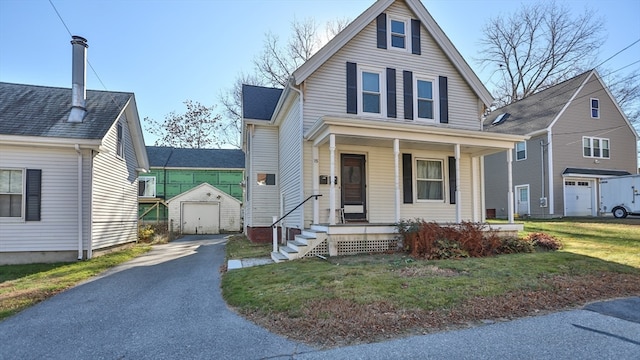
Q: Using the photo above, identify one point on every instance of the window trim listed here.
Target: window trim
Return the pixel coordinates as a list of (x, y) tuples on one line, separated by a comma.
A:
[(390, 33), (155, 189), (524, 150), (382, 90), (267, 177), (435, 94), (442, 181), (601, 147), (596, 108), (23, 195)]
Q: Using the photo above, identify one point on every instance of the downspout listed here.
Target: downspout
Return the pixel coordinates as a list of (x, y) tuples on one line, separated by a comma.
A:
[(301, 105), (90, 209), (550, 201), (79, 201)]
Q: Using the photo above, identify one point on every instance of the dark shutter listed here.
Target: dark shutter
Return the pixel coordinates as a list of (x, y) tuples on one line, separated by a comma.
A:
[(381, 27), (391, 93), (444, 100), (407, 77), (452, 180), (415, 37), (352, 88), (34, 186), (407, 179)]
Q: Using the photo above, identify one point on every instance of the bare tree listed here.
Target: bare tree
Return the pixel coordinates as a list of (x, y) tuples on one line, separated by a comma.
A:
[(626, 90), (274, 65), (538, 46), (197, 128)]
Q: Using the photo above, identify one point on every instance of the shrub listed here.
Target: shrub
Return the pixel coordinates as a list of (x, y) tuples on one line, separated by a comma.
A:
[(513, 245), (153, 233), (544, 241), (145, 233)]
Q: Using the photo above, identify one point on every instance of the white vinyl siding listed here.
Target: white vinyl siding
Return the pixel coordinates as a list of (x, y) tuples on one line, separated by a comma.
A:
[(264, 159), (114, 211), (291, 166), (325, 90), (59, 201)]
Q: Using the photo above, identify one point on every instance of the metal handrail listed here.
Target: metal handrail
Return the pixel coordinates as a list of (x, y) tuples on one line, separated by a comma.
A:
[(294, 209)]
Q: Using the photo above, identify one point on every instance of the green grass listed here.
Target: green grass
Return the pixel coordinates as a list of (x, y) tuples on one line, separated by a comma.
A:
[(590, 248), (239, 247), (22, 286)]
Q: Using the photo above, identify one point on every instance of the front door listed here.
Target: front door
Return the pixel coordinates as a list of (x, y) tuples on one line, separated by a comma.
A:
[(522, 200), (353, 186)]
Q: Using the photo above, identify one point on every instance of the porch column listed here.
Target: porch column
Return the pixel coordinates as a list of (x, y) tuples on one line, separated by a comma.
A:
[(396, 154), (316, 184), (458, 199), (510, 184), (332, 174)]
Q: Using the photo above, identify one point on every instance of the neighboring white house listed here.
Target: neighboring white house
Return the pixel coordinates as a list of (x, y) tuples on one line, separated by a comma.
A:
[(578, 136), (69, 164), (204, 210), (385, 122)]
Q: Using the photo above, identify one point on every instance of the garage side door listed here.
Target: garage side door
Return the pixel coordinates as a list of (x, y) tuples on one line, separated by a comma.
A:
[(578, 198), (200, 218)]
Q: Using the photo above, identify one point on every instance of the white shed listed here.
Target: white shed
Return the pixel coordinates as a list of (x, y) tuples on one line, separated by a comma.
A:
[(204, 210)]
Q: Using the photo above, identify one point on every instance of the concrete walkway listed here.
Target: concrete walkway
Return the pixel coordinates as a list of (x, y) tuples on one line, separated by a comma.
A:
[(167, 304)]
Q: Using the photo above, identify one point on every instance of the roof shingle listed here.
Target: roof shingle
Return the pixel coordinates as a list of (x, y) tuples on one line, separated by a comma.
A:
[(162, 156), (259, 102)]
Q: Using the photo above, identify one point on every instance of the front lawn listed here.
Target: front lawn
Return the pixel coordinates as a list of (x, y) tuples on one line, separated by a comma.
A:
[(355, 299)]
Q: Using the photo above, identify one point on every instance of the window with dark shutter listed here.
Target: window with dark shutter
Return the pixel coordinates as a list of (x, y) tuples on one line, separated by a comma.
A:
[(415, 37), (407, 179), (452, 180), (391, 93), (381, 30), (33, 190), (407, 78), (352, 88), (444, 100)]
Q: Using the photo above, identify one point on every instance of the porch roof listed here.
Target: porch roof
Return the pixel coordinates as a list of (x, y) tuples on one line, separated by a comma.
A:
[(421, 136)]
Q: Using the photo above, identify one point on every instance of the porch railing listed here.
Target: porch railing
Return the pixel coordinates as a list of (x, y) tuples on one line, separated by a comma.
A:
[(275, 222)]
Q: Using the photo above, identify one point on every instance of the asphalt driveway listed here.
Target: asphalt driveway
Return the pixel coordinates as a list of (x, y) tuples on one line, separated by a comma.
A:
[(167, 304)]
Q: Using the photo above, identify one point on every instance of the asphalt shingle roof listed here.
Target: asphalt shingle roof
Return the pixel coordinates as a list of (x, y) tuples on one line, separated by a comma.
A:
[(259, 102), (535, 112), (162, 156), (595, 172), (31, 110)]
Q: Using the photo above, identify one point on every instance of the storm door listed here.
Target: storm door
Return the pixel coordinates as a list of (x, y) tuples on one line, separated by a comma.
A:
[(353, 186)]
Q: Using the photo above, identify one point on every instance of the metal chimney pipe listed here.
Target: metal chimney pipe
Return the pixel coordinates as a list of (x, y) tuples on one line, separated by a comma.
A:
[(79, 76)]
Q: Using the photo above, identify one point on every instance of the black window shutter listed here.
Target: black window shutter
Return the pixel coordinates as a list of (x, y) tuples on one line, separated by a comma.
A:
[(452, 180), (352, 88), (407, 77), (407, 179), (444, 100), (415, 37), (34, 186), (381, 27), (391, 93)]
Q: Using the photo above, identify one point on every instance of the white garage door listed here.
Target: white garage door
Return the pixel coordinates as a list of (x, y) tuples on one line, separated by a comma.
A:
[(578, 198), (200, 218)]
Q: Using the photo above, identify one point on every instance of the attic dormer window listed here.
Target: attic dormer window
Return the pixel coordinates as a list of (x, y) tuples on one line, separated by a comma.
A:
[(398, 34)]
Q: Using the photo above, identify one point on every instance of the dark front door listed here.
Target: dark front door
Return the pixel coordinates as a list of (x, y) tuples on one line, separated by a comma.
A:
[(353, 186)]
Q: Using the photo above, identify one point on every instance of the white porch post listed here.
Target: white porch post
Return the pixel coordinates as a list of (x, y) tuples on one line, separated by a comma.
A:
[(316, 184), (396, 154), (332, 174), (457, 194), (510, 184)]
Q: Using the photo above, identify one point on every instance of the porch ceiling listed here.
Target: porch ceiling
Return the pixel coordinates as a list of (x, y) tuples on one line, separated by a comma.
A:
[(380, 133)]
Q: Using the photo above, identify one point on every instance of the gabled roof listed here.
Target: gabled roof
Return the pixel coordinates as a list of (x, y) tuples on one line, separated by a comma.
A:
[(168, 157), (31, 110), (259, 102), (538, 111), (369, 15)]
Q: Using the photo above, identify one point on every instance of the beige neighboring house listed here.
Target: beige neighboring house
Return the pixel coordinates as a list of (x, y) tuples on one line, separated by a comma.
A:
[(384, 122), (578, 136), (69, 165)]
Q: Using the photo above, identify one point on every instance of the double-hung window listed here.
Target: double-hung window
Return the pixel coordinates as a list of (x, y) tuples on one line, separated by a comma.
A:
[(595, 147), (595, 108), (521, 151), (147, 186), (11, 193), (424, 100), (429, 179), (371, 94), (398, 34), (120, 143)]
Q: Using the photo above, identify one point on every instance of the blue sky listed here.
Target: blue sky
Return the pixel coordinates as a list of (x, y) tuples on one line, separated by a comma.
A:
[(167, 51)]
